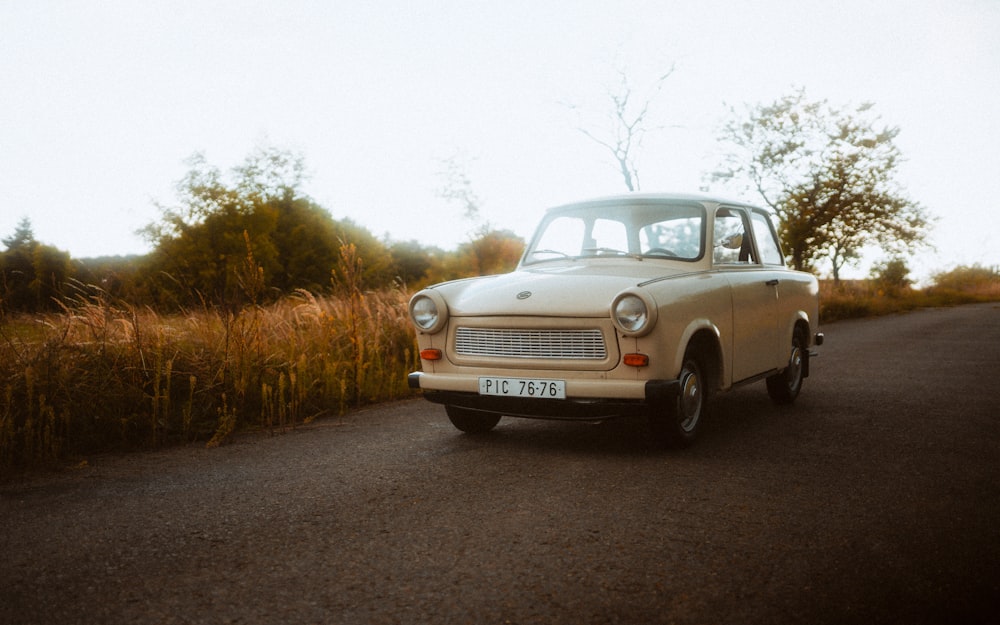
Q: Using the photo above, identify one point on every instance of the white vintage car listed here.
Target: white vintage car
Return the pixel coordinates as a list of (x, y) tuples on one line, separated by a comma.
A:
[(635, 304)]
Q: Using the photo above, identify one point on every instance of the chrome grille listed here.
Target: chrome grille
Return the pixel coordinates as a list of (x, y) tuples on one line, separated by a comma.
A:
[(508, 343)]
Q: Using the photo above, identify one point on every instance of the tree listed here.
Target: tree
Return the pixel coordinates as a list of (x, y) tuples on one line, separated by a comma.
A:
[(52, 268), (32, 274), (17, 267), (456, 186), (305, 237), (892, 276), (489, 249), (493, 251), (115, 275), (411, 261), (627, 118), (257, 213), (829, 175), (377, 268), (23, 237), (201, 244)]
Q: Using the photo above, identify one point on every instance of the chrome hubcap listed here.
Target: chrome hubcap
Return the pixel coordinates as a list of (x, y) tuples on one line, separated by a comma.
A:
[(690, 401), (794, 374)]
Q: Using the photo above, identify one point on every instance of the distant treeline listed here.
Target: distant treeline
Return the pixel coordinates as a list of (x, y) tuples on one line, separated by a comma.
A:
[(253, 237), (230, 268)]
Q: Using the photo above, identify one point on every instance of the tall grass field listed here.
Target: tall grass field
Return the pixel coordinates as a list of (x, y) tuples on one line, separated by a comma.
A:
[(104, 375)]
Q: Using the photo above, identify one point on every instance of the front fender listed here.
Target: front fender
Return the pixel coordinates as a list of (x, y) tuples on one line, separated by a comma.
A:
[(699, 326)]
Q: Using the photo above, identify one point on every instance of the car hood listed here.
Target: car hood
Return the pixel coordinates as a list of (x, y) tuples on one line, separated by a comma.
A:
[(571, 289)]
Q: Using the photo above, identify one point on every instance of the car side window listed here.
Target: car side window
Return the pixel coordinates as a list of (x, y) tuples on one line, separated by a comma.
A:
[(731, 244), (767, 242)]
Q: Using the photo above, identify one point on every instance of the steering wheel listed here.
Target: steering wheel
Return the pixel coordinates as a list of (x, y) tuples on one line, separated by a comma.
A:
[(659, 251)]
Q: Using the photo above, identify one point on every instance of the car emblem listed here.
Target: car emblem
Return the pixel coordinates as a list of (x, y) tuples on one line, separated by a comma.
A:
[(524, 295)]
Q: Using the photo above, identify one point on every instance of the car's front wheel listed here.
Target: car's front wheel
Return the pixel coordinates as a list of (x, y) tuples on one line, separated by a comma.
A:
[(784, 387), (472, 421), (677, 422)]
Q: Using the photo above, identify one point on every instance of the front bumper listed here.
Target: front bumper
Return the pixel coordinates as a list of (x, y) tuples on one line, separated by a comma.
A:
[(651, 393)]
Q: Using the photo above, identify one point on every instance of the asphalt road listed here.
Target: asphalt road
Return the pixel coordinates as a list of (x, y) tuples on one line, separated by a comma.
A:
[(874, 499)]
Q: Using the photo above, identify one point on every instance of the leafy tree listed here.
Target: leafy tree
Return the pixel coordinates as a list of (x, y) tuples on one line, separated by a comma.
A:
[(892, 276), (377, 269), (493, 251), (829, 175), (411, 261), (256, 214), (52, 267), (201, 244), (305, 238)]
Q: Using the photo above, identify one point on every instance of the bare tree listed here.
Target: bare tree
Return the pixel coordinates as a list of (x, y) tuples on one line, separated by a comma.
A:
[(489, 250), (456, 186), (628, 116)]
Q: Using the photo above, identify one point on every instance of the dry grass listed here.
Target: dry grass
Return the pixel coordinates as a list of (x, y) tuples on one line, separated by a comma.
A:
[(867, 298), (106, 376)]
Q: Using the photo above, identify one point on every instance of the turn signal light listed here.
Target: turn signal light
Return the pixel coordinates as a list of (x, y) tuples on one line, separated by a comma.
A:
[(430, 354), (636, 360)]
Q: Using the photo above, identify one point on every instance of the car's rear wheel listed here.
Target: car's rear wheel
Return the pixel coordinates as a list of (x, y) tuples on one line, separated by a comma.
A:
[(784, 387), (472, 421), (677, 422)]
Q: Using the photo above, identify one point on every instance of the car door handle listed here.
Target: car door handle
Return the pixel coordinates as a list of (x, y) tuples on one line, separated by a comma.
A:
[(771, 283)]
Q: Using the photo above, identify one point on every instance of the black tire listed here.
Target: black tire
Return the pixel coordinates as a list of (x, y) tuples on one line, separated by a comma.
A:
[(784, 387), (472, 421), (676, 423)]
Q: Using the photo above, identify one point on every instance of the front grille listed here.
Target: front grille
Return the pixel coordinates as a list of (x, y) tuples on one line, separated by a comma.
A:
[(506, 343)]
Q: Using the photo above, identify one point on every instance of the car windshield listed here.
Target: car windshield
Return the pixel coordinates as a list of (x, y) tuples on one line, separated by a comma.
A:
[(642, 230)]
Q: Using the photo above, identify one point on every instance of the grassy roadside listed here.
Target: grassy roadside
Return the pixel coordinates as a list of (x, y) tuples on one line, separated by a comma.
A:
[(867, 298), (106, 376)]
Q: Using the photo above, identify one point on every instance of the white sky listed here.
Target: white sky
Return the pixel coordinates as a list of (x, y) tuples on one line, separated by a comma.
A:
[(101, 102)]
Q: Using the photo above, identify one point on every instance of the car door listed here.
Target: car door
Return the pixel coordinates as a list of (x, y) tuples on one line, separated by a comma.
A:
[(754, 288), (773, 261)]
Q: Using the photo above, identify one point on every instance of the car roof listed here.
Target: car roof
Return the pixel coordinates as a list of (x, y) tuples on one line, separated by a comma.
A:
[(655, 198)]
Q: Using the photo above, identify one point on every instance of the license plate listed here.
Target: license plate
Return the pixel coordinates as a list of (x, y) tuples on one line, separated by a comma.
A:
[(523, 387)]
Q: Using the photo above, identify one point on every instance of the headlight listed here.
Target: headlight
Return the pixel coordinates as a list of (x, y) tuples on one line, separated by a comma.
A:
[(424, 312), (428, 311), (633, 314)]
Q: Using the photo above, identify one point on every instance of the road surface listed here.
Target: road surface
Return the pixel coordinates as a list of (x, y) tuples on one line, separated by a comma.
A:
[(875, 498)]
